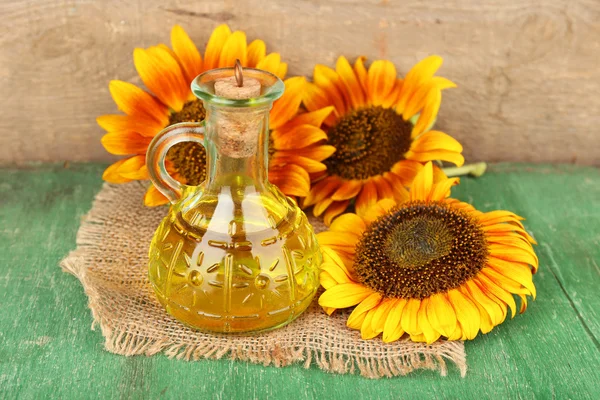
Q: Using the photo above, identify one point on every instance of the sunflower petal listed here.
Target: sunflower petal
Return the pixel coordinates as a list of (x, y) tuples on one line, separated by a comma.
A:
[(187, 52), (348, 190), (344, 295), (466, 313), (271, 63), (331, 84), (350, 81), (367, 197), (392, 330), (435, 140), (441, 314), (409, 320), (423, 183), (134, 101), (361, 72), (348, 222), (292, 180), (162, 74), (335, 209), (321, 190), (430, 333), (287, 106), (134, 168), (257, 50), (366, 330), (356, 318), (444, 155), (111, 174), (429, 113), (479, 297), (487, 285), (381, 79), (215, 44), (125, 143), (154, 198)]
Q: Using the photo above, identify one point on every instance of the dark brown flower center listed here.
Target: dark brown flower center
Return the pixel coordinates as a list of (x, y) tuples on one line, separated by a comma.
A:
[(420, 249), (188, 158), (368, 142)]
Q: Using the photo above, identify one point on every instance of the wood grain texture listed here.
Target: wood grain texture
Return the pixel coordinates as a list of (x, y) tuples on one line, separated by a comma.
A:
[(47, 349), (526, 70)]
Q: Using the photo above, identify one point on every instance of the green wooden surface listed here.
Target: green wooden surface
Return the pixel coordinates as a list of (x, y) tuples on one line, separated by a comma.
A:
[(48, 350)]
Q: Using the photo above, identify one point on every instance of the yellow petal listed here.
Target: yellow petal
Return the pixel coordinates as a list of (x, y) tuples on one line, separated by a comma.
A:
[(392, 329), (361, 72), (256, 52), (366, 330), (329, 238), (384, 189), (348, 222), (315, 98), (356, 318), (326, 280), (443, 155), (491, 288), (271, 63), (466, 313), (435, 140), (112, 175), (441, 190), (423, 183), (186, 52), (380, 315), (344, 295), (162, 74), (337, 272), (431, 334), (518, 272), (429, 113), (486, 323), (479, 297), (235, 48), (441, 314), (409, 320), (287, 106), (331, 84), (140, 124), (134, 168), (314, 118), (215, 44)]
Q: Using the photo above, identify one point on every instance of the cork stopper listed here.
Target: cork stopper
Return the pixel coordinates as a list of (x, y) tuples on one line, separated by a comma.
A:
[(238, 131)]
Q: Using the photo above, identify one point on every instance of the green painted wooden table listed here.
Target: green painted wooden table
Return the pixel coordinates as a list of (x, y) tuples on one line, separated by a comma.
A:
[(47, 349)]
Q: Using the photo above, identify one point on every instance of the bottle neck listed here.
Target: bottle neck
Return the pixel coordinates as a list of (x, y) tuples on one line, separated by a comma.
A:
[(237, 147)]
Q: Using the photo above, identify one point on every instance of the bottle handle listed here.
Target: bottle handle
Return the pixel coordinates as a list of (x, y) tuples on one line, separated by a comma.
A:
[(157, 152)]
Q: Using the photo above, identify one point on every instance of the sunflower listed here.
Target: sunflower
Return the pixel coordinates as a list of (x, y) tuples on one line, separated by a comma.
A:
[(296, 143), (380, 129), (430, 266)]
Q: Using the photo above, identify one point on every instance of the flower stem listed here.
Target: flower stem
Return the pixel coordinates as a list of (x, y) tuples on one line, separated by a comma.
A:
[(475, 169)]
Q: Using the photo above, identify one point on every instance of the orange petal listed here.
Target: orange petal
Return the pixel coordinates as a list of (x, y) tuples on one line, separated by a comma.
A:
[(401, 195), (112, 175), (377, 210), (384, 189), (187, 53), (154, 198), (125, 143), (315, 98), (331, 83), (350, 81), (429, 114), (136, 102), (299, 137), (335, 209), (381, 79), (139, 124), (234, 48), (348, 190), (441, 190), (321, 190), (418, 75), (279, 160), (361, 72), (256, 52), (406, 171), (162, 74), (292, 180), (287, 106), (215, 44), (367, 197), (314, 118)]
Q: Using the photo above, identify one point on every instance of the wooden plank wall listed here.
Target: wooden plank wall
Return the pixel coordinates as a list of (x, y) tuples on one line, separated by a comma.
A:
[(527, 70)]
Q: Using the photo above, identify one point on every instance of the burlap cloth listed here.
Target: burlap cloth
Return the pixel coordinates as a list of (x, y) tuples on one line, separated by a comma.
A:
[(111, 263)]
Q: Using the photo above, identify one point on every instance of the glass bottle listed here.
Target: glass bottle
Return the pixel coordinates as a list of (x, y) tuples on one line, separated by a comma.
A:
[(234, 254)]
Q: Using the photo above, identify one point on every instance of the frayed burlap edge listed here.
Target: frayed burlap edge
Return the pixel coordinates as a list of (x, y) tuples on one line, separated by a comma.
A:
[(372, 359)]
